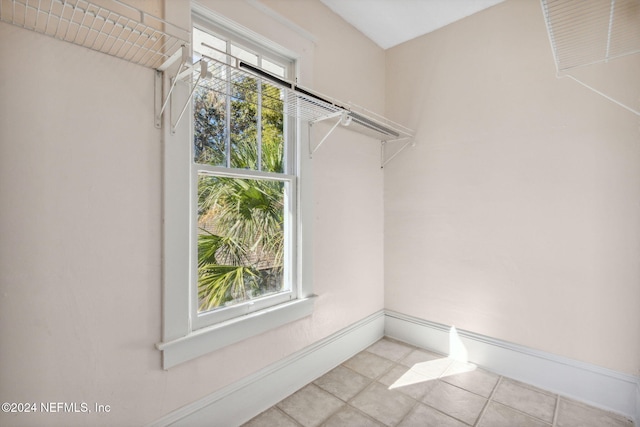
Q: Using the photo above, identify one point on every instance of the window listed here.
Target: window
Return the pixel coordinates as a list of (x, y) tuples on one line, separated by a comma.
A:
[(234, 264), (243, 151)]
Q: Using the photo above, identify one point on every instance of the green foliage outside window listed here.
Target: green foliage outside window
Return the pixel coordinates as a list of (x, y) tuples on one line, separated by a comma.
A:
[(240, 220)]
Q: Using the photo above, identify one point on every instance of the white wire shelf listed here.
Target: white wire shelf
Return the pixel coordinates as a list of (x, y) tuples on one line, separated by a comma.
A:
[(586, 32), (107, 26), (236, 79), (230, 78)]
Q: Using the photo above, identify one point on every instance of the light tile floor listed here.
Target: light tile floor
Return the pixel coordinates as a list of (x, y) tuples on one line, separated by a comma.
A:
[(395, 384)]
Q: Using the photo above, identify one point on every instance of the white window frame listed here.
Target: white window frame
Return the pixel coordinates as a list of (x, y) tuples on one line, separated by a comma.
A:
[(288, 176), (185, 336)]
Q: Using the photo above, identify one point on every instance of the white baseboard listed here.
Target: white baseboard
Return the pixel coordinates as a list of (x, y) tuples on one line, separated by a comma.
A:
[(637, 418), (597, 386), (241, 401), (237, 403)]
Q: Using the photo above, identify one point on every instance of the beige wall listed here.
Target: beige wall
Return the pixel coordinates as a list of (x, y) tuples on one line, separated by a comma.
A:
[(80, 224), (517, 214)]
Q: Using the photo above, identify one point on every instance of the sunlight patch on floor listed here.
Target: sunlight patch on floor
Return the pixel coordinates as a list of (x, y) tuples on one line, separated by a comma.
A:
[(432, 370), (455, 364)]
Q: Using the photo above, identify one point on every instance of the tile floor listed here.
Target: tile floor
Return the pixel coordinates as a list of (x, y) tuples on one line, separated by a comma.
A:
[(395, 384)]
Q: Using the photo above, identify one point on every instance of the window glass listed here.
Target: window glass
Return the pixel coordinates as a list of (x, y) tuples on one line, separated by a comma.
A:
[(210, 126), (209, 45), (272, 137), (241, 240), (244, 101), (275, 69), (244, 55)]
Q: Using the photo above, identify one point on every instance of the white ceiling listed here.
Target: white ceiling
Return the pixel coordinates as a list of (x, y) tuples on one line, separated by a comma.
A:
[(391, 22)]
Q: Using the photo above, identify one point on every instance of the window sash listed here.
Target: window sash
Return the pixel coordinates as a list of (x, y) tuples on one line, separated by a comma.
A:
[(291, 292), (271, 60)]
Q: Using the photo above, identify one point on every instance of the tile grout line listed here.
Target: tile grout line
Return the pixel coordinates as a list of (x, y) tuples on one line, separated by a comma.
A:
[(364, 414), (347, 403), (533, 388), (286, 415), (371, 381), (420, 401), (489, 400), (526, 414), (439, 379), (417, 401), (395, 363), (415, 404), (443, 412)]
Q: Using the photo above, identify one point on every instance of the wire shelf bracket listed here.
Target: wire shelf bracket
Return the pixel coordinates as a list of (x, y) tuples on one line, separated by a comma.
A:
[(384, 159), (160, 102), (343, 119), (183, 69)]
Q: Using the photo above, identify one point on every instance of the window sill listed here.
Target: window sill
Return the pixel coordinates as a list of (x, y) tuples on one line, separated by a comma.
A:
[(206, 340)]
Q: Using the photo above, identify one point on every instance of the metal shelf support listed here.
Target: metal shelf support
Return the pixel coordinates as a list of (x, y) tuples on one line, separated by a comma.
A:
[(409, 142), (203, 74), (183, 55), (343, 119)]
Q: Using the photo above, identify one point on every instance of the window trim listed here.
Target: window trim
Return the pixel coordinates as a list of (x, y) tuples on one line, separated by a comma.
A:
[(215, 337), (180, 340)]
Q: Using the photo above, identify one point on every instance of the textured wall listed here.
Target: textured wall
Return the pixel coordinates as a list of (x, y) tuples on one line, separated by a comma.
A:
[(80, 226), (517, 214)]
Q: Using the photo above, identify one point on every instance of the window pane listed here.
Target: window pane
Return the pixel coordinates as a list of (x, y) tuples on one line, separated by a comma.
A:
[(244, 55), (244, 125), (200, 37), (209, 132), (240, 240), (272, 128), (275, 69)]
